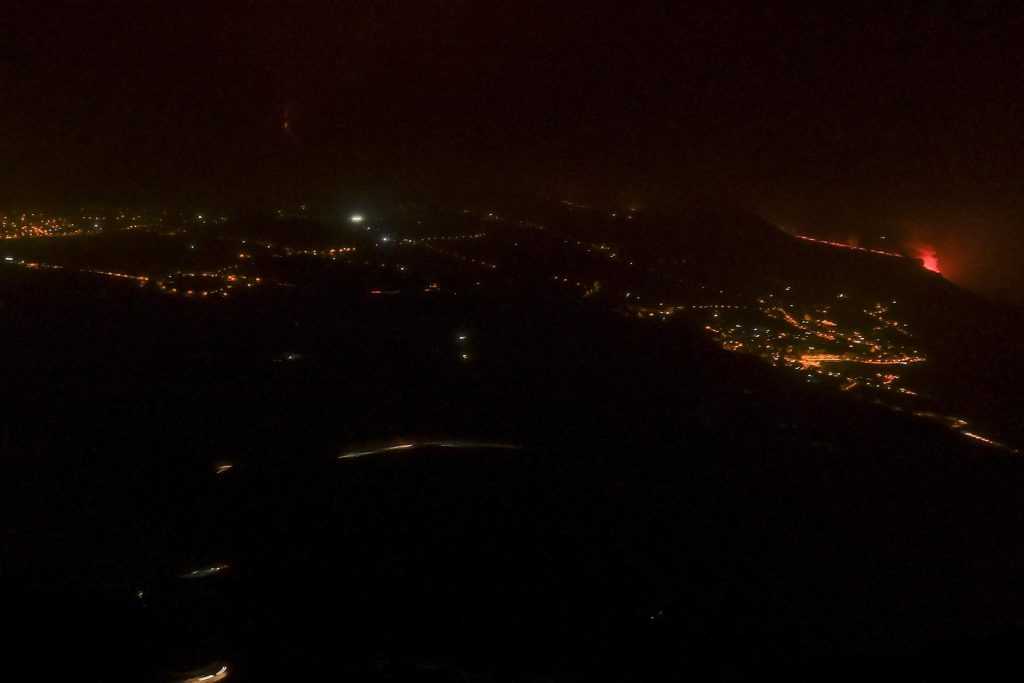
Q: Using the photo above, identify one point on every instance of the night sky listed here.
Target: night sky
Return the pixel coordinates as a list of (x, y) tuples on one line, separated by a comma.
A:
[(848, 121)]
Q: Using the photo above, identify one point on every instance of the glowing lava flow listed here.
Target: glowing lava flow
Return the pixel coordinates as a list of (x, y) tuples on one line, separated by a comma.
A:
[(927, 254), (844, 245), (929, 258)]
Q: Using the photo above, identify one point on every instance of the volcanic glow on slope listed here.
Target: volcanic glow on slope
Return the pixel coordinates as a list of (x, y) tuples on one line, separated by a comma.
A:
[(844, 245), (929, 258), (927, 254)]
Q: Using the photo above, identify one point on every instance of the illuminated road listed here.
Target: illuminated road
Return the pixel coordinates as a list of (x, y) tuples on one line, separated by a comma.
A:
[(219, 675), (350, 455)]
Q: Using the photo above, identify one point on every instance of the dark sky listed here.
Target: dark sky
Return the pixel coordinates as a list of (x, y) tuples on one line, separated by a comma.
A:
[(844, 120)]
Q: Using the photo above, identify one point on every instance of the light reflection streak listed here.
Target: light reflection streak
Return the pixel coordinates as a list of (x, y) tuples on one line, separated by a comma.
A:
[(428, 444)]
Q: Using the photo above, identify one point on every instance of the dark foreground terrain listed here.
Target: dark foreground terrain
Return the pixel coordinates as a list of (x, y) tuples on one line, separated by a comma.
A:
[(409, 465)]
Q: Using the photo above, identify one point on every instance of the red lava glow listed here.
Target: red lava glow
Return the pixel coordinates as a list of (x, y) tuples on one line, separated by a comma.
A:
[(844, 245), (929, 258), (927, 254)]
